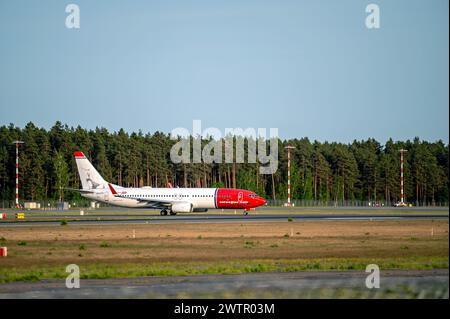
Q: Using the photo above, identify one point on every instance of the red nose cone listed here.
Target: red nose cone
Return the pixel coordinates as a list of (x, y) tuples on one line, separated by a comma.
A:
[(260, 201)]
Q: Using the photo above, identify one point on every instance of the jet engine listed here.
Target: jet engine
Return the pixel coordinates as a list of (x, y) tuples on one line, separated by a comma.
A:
[(182, 207)]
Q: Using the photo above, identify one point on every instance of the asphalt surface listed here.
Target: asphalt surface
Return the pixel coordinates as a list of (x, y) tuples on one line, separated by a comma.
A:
[(311, 284), (207, 218), (115, 215), (298, 209)]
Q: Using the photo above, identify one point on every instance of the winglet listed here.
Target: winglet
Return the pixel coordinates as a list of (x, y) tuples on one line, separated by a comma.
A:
[(169, 185), (113, 191)]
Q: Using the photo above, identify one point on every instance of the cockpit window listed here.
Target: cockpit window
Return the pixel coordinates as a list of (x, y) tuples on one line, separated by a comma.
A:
[(252, 195)]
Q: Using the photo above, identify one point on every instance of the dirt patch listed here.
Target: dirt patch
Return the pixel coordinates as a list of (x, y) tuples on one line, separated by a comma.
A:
[(210, 242)]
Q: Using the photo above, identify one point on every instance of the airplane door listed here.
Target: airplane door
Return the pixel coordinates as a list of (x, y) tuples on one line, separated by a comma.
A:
[(240, 197), (106, 196)]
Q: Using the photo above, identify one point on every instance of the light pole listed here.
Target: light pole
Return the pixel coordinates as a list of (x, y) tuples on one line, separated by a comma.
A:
[(17, 143), (402, 192), (289, 147)]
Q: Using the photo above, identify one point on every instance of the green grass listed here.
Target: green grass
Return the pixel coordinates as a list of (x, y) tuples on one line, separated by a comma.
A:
[(118, 270)]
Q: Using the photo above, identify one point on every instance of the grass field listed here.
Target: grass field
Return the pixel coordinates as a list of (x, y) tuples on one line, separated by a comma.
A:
[(109, 251)]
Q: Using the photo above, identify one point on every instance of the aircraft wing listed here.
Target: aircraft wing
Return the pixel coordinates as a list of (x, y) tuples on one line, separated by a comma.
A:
[(82, 191), (159, 204), (155, 203)]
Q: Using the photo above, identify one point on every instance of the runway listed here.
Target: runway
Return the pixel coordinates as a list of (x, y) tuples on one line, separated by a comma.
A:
[(111, 219), (310, 284), (114, 210), (115, 215)]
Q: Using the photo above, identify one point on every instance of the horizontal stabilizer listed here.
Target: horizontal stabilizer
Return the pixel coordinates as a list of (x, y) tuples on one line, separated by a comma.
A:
[(82, 191)]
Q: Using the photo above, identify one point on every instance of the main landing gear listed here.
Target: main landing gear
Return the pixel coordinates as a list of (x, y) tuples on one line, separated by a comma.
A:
[(164, 212)]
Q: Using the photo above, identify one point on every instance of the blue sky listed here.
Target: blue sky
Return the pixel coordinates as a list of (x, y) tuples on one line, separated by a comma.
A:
[(308, 68)]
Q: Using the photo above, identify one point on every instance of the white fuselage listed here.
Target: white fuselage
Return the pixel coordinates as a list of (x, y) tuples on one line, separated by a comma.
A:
[(139, 197)]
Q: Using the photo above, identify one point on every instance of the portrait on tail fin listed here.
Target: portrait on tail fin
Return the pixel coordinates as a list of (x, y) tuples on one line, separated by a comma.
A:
[(90, 181)]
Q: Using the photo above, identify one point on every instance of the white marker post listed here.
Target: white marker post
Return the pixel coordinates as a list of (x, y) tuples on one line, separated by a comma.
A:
[(289, 147), (402, 193), (17, 171)]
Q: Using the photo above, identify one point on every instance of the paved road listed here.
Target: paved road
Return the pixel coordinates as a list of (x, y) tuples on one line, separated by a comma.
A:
[(137, 216), (209, 218), (326, 284), (119, 210)]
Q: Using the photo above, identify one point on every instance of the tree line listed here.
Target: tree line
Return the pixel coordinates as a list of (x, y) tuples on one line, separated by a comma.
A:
[(321, 171)]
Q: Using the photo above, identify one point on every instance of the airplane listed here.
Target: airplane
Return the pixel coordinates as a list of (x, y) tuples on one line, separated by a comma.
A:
[(168, 200)]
